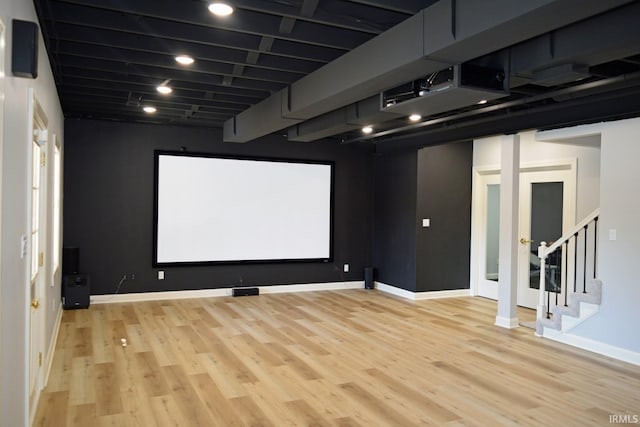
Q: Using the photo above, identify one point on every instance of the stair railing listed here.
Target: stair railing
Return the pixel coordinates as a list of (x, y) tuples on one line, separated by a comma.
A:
[(568, 268)]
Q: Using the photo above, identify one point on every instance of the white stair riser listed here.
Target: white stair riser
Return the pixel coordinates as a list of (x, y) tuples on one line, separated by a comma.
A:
[(586, 310)]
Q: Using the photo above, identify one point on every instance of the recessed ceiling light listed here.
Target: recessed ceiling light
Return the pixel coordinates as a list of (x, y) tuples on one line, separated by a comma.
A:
[(220, 9), (184, 60), (165, 90), (149, 109), (367, 129), (482, 101), (415, 117)]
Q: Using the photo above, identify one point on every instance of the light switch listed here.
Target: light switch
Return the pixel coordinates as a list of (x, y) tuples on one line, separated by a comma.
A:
[(426, 222), (613, 235)]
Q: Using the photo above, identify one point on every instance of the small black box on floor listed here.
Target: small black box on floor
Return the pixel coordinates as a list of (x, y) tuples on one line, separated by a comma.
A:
[(243, 292), (75, 291), (369, 278)]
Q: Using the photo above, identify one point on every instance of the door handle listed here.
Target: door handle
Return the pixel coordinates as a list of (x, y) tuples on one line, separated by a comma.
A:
[(35, 303), (524, 240)]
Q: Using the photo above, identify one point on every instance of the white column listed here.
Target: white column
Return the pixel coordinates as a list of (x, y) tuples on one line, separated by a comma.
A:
[(507, 316)]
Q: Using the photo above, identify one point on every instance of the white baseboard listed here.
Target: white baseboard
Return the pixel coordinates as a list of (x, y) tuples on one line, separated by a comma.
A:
[(309, 287), (506, 322), (593, 346), (52, 346), (415, 296), (222, 292), (48, 363)]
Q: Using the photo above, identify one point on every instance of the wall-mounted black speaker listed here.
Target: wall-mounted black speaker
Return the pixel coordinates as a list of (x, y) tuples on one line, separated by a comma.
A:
[(75, 291), (24, 53), (70, 260)]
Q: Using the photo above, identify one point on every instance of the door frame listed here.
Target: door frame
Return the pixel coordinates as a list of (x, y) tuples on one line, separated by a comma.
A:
[(478, 208), (36, 119), (531, 299), (2, 98)]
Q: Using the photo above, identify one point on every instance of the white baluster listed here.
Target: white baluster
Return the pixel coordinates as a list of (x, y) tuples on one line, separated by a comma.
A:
[(542, 254)]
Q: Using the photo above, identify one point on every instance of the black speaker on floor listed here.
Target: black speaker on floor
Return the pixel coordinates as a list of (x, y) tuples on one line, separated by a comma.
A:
[(24, 52), (70, 260), (369, 278), (75, 291)]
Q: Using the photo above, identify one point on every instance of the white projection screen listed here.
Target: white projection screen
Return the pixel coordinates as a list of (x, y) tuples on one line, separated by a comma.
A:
[(211, 209)]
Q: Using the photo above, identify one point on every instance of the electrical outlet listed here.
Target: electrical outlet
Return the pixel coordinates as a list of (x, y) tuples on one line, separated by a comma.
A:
[(133, 276), (161, 275), (346, 268), (24, 243)]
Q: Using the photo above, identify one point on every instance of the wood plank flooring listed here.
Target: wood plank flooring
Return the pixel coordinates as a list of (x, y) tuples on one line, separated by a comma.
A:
[(343, 358)]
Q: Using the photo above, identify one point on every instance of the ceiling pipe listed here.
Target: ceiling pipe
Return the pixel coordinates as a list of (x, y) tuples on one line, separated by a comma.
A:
[(447, 33), (573, 113), (579, 91)]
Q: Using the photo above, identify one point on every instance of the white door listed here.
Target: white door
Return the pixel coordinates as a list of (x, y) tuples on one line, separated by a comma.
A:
[(489, 189), (547, 208), (37, 243)]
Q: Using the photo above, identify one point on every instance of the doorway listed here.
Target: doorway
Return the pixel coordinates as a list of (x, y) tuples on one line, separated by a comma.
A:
[(546, 210)]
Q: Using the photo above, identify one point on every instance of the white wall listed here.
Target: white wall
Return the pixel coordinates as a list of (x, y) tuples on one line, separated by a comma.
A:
[(608, 177), (616, 323), (584, 150), (486, 152), (13, 277)]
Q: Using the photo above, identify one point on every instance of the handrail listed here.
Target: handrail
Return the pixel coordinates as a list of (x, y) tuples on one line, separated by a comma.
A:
[(544, 252), (566, 236)]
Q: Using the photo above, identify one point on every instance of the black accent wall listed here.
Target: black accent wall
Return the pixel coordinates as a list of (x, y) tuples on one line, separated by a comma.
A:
[(444, 196), (108, 207), (411, 184), (395, 217)]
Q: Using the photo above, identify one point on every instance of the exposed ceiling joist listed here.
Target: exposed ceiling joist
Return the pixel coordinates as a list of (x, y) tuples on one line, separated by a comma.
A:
[(312, 63)]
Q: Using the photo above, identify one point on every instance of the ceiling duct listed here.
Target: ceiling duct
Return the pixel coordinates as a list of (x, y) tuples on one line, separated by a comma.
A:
[(342, 120), (599, 39), (561, 74), (448, 32), (449, 89)]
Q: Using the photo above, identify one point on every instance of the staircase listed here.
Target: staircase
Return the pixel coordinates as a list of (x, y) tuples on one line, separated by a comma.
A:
[(571, 261), (580, 308)]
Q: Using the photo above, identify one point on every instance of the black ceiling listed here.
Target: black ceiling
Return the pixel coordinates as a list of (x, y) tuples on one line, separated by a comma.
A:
[(108, 57)]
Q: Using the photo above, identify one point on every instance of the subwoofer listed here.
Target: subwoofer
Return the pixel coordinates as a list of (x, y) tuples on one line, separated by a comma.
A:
[(75, 291), (369, 278)]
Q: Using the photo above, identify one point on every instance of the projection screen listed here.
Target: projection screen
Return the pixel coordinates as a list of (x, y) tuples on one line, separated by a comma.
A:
[(212, 209)]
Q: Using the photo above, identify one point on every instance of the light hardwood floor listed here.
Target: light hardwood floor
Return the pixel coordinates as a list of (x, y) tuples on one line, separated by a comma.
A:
[(344, 358)]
